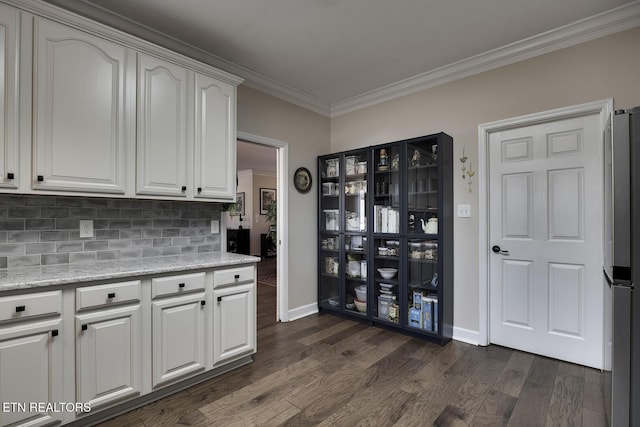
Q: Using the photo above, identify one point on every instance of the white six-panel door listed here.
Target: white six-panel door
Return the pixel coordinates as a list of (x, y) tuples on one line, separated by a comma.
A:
[(545, 214)]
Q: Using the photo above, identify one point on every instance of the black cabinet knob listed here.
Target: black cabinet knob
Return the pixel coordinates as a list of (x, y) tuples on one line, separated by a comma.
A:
[(181, 285), (54, 333), (10, 175), (40, 178), (184, 188), (20, 308), (203, 302), (199, 189), (111, 295), (237, 276), (219, 299), (84, 327)]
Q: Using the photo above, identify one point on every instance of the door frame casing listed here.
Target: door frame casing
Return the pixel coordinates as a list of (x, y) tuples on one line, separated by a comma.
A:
[(603, 107), (282, 199)]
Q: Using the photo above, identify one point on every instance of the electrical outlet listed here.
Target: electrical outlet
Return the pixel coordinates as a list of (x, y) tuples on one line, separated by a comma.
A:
[(215, 226), (86, 228), (464, 211)]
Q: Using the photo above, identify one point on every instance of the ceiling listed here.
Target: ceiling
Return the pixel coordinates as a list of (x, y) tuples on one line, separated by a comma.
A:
[(257, 157), (333, 56)]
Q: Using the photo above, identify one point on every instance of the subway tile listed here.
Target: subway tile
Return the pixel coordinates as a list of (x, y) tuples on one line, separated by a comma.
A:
[(3, 236), (189, 249), (70, 246), (212, 238), (69, 201), (170, 232), (141, 223), (40, 201), (4, 212), (197, 206), (107, 255), (161, 223), (39, 224), (80, 257), (180, 241), (12, 249), (207, 215), (50, 236), (119, 224), (162, 242), (12, 200), (160, 204), (23, 261), (95, 203), (12, 224), (100, 224), (67, 224), (108, 213), (131, 213), (142, 243), (40, 248), (131, 253), (54, 212), (141, 204), (189, 214), (83, 212), (23, 236), (23, 212), (3, 262), (152, 232), (149, 252), (107, 234), (205, 248), (196, 240), (48, 259), (171, 250), (96, 245), (198, 223), (130, 234), (180, 223), (119, 244), (120, 203)]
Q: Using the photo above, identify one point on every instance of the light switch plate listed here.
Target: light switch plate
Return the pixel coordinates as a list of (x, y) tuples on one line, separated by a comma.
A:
[(215, 226), (464, 211)]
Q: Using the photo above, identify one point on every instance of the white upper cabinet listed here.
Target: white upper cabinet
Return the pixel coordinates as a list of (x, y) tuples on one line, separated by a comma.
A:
[(80, 120), (9, 147), (215, 139), (162, 141)]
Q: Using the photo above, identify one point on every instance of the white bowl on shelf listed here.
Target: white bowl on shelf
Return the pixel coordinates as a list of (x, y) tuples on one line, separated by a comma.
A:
[(387, 273), (361, 293), (360, 305)]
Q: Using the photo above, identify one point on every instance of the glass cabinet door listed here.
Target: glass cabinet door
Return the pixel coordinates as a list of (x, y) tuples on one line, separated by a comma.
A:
[(422, 284), (386, 188), (386, 274), (355, 231), (422, 187), (329, 260)]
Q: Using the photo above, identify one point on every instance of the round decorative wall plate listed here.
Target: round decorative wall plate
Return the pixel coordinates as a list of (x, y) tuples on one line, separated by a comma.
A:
[(302, 180)]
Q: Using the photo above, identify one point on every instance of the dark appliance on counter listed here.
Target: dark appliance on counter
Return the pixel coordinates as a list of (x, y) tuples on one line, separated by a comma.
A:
[(622, 268), (238, 241)]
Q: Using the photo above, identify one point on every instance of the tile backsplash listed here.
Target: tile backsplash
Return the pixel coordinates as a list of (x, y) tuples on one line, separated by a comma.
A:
[(44, 230)]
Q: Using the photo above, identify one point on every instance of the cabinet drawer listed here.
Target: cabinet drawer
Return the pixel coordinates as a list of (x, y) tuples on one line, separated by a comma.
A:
[(232, 276), (23, 306), (111, 293), (177, 284)]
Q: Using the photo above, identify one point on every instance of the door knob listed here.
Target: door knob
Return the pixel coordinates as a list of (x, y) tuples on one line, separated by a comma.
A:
[(498, 250)]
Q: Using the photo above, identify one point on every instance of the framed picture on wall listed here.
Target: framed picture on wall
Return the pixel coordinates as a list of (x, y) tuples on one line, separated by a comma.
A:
[(267, 195), (238, 207)]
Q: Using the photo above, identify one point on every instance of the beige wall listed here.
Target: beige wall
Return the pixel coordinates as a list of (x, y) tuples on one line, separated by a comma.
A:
[(260, 224), (307, 135), (605, 68)]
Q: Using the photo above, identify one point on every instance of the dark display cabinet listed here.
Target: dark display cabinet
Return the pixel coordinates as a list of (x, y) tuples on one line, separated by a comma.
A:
[(386, 235)]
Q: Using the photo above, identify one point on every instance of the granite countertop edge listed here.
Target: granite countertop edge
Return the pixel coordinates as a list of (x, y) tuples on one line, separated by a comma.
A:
[(12, 279)]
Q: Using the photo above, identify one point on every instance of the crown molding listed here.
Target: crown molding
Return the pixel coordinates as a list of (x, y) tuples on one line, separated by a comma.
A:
[(619, 19)]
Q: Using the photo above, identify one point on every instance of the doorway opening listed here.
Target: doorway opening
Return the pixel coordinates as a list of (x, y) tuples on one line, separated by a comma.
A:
[(262, 170)]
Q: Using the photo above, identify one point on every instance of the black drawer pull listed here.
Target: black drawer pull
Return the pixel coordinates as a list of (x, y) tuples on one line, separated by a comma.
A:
[(181, 285), (10, 175), (184, 188), (237, 276), (20, 308), (111, 295), (40, 178), (84, 327), (54, 333), (219, 299), (203, 302)]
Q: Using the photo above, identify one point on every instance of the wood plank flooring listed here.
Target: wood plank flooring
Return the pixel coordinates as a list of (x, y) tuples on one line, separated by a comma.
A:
[(330, 371)]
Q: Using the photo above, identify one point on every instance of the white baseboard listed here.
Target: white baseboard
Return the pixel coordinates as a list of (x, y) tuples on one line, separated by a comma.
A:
[(305, 310), (466, 335)]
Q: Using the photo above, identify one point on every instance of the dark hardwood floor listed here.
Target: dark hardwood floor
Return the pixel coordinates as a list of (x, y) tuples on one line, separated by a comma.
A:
[(330, 371)]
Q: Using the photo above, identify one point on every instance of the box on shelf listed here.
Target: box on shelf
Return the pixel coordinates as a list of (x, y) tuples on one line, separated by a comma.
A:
[(415, 318), (384, 301)]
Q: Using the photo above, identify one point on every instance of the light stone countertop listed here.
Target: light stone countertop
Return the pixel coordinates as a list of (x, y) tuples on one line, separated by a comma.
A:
[(36, 277)]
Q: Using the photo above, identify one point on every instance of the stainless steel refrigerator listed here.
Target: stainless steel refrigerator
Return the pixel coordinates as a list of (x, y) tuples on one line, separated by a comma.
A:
[(622, 268)]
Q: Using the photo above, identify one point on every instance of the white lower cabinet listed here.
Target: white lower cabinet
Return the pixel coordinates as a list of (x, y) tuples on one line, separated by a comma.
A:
[(31, 372), (108, 355), (178, 337), (234, 322)]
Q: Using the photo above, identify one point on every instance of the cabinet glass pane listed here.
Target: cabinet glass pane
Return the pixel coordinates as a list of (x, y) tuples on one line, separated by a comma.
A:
[(422, 280), (386, 188), (422, 187), (330, 270), (386, 279), (330, 196), (356, 272), (355, 191)]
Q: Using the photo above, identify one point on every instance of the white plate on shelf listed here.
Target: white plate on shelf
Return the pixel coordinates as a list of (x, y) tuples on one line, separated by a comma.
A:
[(386, 286)]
